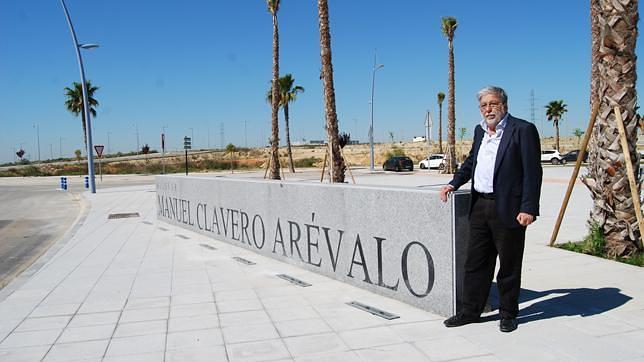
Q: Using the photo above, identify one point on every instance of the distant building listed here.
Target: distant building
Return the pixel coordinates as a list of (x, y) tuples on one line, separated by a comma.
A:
[(419, 139)]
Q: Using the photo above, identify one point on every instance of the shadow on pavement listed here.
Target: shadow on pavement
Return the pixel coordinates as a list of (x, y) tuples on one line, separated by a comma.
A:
[(554, 303)]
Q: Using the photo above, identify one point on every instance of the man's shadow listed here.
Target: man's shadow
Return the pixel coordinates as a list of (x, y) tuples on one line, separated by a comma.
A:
[(562, 302)]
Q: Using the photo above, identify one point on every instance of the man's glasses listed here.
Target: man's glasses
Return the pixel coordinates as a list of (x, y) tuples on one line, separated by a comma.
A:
[(493, 105)]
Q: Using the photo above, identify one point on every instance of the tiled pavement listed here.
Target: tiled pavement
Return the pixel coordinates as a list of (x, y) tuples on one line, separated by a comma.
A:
[(137, 289)]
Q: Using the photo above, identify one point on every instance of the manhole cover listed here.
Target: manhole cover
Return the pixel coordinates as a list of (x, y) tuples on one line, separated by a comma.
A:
[(123, 215)]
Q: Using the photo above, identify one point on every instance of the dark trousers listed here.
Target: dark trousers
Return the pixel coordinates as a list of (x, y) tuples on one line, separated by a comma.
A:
[(489, 237)]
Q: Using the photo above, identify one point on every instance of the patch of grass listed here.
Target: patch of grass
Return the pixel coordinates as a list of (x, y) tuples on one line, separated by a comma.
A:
[(594, 244)]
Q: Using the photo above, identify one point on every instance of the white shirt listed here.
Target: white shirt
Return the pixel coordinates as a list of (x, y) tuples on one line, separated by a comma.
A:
[(486, 158)]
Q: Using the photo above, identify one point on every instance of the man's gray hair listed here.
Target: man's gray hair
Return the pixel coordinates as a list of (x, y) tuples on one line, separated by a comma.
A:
[(490, 89)]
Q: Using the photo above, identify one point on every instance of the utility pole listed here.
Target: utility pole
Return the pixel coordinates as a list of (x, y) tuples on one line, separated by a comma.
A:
[(221, 134), (60, 146), (37, 127), (137, 138), (428, 128)]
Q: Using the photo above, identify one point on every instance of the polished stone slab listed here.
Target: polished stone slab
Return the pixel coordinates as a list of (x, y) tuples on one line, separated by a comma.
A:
[(399, 242)]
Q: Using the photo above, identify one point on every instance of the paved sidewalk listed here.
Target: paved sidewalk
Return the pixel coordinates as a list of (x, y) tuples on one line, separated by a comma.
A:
[(136, 289)]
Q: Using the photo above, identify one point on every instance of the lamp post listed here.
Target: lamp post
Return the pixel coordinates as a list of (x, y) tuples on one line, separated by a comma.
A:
[(60, 146), (37, 127), (373, 83), (88, 125)]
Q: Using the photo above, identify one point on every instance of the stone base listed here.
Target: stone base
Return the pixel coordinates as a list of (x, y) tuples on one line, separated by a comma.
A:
[(399, 242)]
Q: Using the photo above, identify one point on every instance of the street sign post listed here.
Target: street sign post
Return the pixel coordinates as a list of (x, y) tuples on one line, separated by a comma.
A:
[(163, 152), (99, 152), (187, 144)]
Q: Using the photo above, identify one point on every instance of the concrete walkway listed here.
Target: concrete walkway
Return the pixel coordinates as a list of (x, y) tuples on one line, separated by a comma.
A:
[(135, 289)]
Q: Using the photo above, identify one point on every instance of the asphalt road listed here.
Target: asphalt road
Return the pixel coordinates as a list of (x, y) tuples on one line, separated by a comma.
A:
[(35, 213)]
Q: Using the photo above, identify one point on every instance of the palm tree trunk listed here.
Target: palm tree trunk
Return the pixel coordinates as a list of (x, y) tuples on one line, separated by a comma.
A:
[(594, 44), (451, 115), (338, 166), (607, 181), (556, 122), (440, 128), (275, 164), (288, 139)]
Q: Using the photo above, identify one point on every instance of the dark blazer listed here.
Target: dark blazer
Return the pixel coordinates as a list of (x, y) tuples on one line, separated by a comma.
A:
[(517, 170)]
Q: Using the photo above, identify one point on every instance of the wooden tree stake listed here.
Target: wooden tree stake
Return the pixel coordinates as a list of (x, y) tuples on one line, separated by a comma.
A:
[(348, 166), (575, 173), (630, 172), (268, 165), (326, 153)]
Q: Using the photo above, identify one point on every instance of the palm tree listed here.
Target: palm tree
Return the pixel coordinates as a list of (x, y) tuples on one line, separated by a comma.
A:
[(287, 94), (615, 33), (273, 8), (337, 162), (577, 132), (74, 103), (448, 26), (554, 111), (441, 97)]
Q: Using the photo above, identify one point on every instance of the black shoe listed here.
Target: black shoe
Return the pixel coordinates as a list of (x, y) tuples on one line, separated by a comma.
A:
[(508, 324), (460, 320)]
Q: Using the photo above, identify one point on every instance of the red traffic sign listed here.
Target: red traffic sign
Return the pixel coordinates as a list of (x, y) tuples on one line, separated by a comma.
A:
[(99, 149)]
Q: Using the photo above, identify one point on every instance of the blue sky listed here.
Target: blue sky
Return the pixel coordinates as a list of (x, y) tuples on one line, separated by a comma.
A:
[(195, 65)]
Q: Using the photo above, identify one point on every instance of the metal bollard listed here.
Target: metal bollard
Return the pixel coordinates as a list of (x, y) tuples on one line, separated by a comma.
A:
[(86, 182)]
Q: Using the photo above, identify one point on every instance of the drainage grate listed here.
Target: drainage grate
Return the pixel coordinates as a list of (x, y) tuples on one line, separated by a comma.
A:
[(208, 246), (162, 228), (243, 261), (182, 236), (373, 310), (146, 222), (123, 215), (293, 280)]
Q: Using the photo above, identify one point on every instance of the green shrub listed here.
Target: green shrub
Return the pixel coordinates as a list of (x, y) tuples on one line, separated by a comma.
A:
[(395, 151), (306, 162)]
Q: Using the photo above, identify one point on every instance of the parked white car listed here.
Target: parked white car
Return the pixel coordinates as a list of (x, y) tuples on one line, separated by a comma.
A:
[(433, 161), (553, 157)]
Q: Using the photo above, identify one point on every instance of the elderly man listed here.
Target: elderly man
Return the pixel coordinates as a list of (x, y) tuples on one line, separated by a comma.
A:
[(505, 168)]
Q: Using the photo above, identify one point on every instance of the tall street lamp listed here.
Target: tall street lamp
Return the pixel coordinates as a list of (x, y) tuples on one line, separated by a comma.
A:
[(88, 125), (37, 127), (376, 66)]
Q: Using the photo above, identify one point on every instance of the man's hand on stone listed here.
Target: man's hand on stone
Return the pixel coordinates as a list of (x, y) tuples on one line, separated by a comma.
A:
[(525, 219), (444, 191)]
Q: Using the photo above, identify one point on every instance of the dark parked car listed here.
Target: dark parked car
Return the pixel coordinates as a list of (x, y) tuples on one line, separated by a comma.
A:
[(572, 156), (398, 164)]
